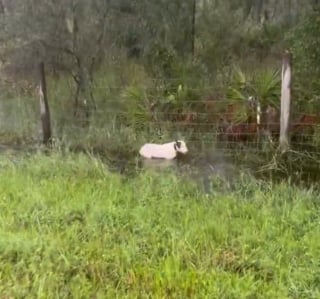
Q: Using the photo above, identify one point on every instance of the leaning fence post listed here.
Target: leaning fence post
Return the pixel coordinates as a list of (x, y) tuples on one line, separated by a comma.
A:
[(285, 102), (44, 106)]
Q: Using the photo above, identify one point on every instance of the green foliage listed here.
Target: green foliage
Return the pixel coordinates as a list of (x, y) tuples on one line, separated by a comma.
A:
[(144, 79), (135, 105), (71, 229), (304, 42), (161, 61), (266, 86), (181, 98), (217, 35), (262, 41), (263, 85)]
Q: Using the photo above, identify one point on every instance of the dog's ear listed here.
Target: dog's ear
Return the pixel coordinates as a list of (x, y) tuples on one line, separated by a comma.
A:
[(178, 143)]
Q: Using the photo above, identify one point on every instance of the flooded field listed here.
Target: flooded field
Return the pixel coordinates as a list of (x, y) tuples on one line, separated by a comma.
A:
[(213, 169)]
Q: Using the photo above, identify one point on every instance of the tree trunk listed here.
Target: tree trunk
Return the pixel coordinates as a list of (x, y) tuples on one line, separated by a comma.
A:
[(84, 99), (285, 102), (3, 7), (259, 7), (44, 106), (193, 28)]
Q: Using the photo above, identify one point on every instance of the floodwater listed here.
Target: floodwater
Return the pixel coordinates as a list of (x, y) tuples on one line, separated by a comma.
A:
[(213, 168)]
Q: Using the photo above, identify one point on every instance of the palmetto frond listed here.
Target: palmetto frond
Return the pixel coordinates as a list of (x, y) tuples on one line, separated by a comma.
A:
[(134, 101), (263, 85), (266, 86)]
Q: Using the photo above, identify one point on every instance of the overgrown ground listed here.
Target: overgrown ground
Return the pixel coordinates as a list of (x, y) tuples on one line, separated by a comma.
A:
[(71, 229)]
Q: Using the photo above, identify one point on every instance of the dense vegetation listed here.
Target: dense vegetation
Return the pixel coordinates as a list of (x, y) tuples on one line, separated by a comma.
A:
[(72, 229), (122, 72), (146, 69)]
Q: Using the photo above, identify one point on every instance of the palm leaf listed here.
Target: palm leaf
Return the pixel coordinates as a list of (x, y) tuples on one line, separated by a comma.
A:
[(236, 95), (267, 86), (135, 106)]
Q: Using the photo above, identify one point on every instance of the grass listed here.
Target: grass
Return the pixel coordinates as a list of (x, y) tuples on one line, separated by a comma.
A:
[(72, 229)]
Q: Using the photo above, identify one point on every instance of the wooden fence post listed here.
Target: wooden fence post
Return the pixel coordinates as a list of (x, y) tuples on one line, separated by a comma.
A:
[(44, 106), (285, 102)]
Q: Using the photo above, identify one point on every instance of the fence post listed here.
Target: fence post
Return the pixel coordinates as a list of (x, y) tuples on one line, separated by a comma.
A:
[(44, 106), (284, 140)]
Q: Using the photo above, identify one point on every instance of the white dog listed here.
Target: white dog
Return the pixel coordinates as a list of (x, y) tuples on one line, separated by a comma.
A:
[(166, 151)]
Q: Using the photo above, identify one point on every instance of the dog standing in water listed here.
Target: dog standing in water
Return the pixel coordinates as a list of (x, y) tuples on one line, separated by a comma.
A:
[(166, 151)]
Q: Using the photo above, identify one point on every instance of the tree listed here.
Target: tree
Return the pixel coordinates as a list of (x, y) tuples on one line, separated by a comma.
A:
[(304, 41), (68, 35)]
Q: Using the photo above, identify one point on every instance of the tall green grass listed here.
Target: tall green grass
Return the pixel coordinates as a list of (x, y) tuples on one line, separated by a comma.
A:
[(72, 229)]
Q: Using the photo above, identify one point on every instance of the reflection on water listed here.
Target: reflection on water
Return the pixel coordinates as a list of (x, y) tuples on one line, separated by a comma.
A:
[(210, 170), (159, 164)]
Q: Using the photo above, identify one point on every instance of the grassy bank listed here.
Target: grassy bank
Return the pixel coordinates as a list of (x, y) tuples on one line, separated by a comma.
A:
[(71, 229)]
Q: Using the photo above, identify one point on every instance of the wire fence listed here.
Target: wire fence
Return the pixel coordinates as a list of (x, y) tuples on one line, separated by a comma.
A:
[(234, 136), (116, 135), (200, 122)]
